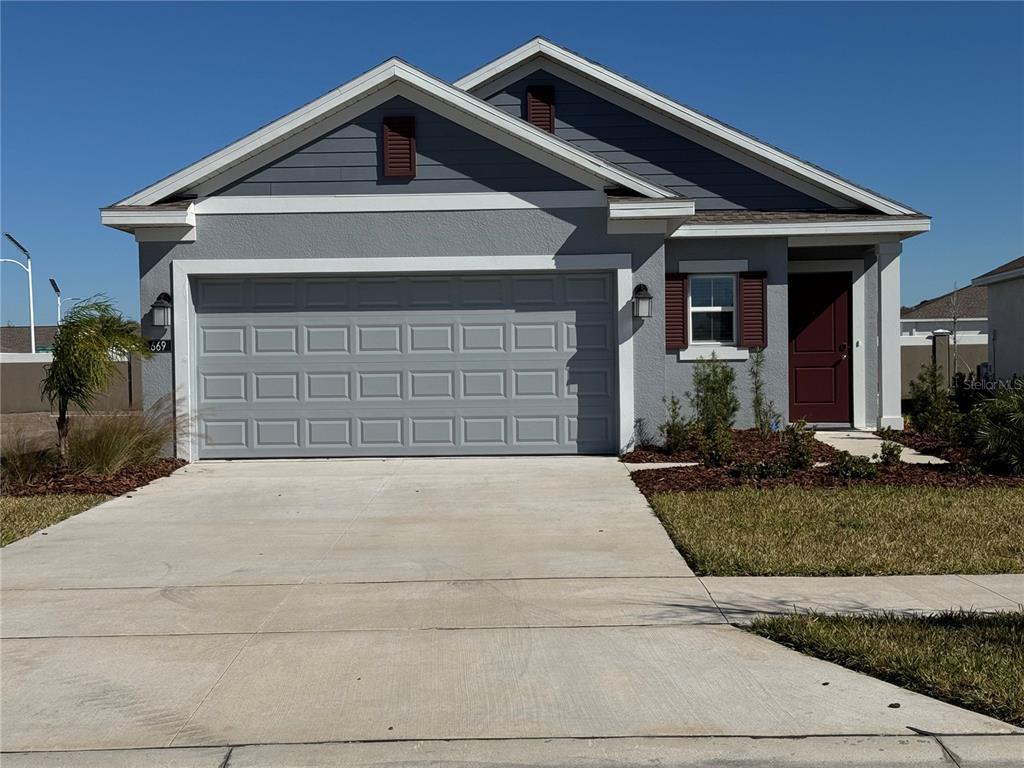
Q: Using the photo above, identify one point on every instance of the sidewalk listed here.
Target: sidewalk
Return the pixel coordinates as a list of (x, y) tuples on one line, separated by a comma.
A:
[(743, 598), (861, 443)]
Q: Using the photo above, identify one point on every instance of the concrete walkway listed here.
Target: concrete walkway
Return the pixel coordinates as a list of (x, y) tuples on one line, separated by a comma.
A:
[(868, 444), (493, 611)]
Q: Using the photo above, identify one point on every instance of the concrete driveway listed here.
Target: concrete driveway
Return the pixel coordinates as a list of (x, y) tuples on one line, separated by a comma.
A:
[(362, 612)]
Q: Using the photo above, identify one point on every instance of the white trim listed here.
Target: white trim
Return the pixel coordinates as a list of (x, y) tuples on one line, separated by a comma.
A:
[(165, 235), (890, 405), (1000, 277), (659, 209), (447, 201), (26, 357), (184, 310), (941, 319), (710, 266), (540, 47), (798, 228), (154, 217), (969, 339), (858, 327), (721, 351), (391, 71)]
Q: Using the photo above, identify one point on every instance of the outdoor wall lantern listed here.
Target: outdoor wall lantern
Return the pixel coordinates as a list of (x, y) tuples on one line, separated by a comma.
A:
[(161, 309), (642, 301)]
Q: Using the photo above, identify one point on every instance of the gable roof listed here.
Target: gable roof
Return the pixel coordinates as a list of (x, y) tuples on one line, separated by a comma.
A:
[(511, 130), (969, 301), (1008, 271), (540, 48)]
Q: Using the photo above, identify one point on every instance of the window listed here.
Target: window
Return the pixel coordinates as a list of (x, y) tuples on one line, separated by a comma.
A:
[(712, 309)]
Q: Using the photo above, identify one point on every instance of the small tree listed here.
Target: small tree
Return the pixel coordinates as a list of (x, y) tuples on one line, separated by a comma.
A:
[(90, 339), (766, 417), (714, 404), (931, 409)]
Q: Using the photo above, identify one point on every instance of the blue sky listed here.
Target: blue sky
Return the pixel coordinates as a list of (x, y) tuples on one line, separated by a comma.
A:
[(922, 102)]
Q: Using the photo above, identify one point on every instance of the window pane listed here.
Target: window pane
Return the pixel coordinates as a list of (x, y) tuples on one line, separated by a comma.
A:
[(711, 292), (700, 292), (712, 326), (722, 292)]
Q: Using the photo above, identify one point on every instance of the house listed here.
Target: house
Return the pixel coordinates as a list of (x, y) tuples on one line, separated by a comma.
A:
[(22, 373), (950, 331), (17, 339), (408, 266), (1005, 287)]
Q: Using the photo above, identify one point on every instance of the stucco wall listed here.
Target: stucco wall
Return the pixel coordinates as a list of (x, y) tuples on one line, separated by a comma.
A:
[(769, 255), (424, 234), (1006, 325)]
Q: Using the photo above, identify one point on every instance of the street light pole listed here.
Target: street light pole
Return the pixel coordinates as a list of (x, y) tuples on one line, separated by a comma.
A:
[(56, 289), (31, 304)]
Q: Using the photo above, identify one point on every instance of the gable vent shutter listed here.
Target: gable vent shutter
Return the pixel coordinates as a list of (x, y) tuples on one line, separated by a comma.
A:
[(675, 311), (399, 146), (753, 298), (540, 107)]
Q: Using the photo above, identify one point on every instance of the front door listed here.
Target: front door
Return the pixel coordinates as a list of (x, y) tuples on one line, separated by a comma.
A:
[(819, 347)]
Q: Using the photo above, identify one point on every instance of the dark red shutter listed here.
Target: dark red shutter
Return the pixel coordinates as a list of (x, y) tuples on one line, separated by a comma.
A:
[(540, 107), (753, 310), (675, 311), (399, 146)]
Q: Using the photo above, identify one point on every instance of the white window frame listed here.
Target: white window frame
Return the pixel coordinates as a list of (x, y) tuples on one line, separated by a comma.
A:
[(689, 311)]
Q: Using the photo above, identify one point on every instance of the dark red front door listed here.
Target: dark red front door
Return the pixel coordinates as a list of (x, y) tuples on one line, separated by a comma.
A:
[(819, 347)]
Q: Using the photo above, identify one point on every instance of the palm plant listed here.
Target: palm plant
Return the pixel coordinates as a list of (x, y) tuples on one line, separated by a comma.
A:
[(999, 430), (91, 338)]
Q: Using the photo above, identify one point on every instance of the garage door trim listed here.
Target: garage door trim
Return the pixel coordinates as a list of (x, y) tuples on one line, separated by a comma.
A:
[(184, 321)]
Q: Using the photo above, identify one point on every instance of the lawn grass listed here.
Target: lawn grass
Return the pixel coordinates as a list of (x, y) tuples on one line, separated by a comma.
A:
[(972, 660), (21, 516), (855, 531)]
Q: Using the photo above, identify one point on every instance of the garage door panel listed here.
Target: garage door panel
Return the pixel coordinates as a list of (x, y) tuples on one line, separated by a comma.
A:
[(420, 365)]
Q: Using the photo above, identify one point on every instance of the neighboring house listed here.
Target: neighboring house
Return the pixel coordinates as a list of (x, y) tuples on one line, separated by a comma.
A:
[(18, 338), (950, 330), (22, 373), (406, 266), (1005, 286)]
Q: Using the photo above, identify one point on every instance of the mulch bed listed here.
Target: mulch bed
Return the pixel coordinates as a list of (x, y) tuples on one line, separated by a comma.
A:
[(931, 445), (119, 483), (701, 478), (748, 446)]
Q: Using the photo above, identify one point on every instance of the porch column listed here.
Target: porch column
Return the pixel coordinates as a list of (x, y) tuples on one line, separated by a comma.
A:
[(890, 413)]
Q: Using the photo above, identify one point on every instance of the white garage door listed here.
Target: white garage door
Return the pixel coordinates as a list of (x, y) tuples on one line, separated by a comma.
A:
[(398, 366)]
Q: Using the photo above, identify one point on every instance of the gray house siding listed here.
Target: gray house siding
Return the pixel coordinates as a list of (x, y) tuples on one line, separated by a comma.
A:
[(423, 234), (449, 158), (769, 255), (664, 157), (1006, 323)]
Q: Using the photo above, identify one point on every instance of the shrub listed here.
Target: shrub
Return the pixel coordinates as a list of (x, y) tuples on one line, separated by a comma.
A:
[(675, 431), (798, 441), (111, 443), (762, 470), (850, 467), (998, 431), (891, 453), (888, 433), (931, 409), (715, 406), (22, 461), (766, 417)]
